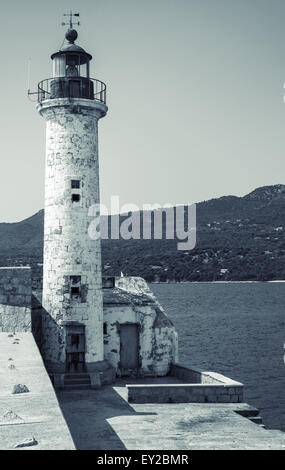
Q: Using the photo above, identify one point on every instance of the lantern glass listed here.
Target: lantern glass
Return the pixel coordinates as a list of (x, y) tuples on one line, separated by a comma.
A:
[(59, 65)]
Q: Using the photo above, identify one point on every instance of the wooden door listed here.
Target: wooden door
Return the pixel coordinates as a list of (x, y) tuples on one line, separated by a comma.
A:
[(75, 349), (129, 352)]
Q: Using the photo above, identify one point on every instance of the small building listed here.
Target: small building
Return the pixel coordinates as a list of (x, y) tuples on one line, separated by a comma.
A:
[(138, 336)]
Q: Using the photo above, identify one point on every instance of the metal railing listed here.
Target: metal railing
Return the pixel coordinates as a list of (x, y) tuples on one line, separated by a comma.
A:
[(64, 87)]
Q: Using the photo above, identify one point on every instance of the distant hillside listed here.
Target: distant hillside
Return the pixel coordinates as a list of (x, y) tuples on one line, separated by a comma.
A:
[(23, 238), (238, 238)]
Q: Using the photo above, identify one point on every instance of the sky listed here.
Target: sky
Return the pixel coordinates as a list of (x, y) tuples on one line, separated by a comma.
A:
[(194, 90)]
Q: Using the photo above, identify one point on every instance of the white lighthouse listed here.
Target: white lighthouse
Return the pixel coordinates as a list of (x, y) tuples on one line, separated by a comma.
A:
[(71, 103)]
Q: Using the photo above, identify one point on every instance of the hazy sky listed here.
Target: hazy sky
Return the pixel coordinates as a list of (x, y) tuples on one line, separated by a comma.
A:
[(195, 96)]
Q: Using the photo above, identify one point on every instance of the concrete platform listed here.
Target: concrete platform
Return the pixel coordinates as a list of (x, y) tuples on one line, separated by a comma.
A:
[(103, 419), (38, 411)]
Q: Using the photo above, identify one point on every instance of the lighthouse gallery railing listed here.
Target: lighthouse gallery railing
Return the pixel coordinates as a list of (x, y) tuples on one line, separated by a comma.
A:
[(96, 89)]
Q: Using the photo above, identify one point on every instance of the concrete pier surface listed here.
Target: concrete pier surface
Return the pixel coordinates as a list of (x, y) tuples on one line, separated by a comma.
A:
[(103, 419), (34, 418)]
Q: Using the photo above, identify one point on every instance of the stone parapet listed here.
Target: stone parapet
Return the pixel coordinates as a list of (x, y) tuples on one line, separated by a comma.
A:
[(15, 299), (206, 387)]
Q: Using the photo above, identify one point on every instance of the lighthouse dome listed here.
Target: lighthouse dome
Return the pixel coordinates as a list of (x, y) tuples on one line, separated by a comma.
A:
[(71, 49)]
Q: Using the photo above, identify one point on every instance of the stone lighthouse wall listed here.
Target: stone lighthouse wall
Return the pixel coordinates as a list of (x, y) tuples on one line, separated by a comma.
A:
[(72, 260)]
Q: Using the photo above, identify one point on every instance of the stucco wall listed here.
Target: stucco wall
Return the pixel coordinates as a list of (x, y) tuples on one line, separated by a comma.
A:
[(15, 299), (114, 317)]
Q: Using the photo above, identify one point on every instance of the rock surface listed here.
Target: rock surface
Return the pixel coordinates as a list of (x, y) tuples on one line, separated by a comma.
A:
[(10, 416), (27, 443), (19, 388)]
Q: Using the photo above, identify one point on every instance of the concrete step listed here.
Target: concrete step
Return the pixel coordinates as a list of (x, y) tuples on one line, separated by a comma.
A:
[(76, 376), (248, 412), (77, 386), (256, 419), (76, 381)]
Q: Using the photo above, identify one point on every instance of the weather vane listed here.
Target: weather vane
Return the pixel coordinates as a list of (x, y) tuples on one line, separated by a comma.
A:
[(71, 23)]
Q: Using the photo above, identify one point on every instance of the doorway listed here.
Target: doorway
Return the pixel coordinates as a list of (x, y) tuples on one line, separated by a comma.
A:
[(75, 349), (129, 347)]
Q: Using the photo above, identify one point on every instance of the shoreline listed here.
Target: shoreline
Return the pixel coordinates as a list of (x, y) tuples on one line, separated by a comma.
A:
[(216, 282)]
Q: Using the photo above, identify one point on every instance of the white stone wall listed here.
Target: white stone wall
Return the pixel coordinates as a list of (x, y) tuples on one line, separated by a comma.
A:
[(166, 349), (71, 154)]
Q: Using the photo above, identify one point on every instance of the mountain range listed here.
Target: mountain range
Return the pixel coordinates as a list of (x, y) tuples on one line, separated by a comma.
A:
[(238, 238)]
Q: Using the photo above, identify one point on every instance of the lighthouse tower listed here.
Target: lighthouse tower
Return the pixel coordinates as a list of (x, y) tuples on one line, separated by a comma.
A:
[(71, 103)]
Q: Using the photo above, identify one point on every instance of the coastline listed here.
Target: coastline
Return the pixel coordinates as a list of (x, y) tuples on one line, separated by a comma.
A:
[(216, 282)]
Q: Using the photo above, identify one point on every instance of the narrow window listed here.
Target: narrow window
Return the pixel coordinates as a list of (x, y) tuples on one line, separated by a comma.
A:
[(104, 328), (75, 197), (75, 287), (75, 184), (75, 291)]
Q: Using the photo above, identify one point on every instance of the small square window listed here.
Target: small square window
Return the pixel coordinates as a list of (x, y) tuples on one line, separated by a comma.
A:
[(108, 282), (75, 291), (75, 197), (75, 184)]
